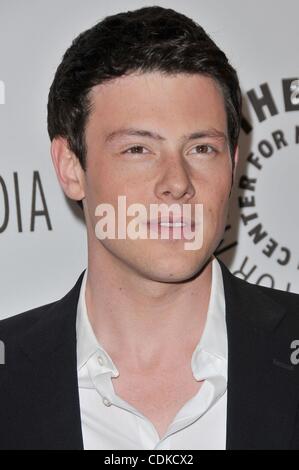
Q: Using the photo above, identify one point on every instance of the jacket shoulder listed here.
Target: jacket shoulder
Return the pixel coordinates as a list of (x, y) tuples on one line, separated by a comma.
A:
[(46, 314), (260, 305), (288, 299), (24, 321)]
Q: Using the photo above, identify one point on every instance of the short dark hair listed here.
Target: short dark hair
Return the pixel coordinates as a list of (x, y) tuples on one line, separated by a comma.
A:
[(144, 40)]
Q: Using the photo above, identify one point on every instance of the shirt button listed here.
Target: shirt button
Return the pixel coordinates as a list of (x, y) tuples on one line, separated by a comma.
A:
[(106, 402), (101, 360)]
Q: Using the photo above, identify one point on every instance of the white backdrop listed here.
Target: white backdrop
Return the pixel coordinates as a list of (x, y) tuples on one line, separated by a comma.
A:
[(42, 237)]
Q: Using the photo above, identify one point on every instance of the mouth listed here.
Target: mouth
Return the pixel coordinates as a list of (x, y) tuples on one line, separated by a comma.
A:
[(172, 223), (172, 228)]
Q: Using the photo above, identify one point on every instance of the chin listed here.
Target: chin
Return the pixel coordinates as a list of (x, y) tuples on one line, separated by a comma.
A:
[(175, 270)]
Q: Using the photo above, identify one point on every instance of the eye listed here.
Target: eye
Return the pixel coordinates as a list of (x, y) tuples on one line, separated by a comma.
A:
[(205, 149), (135, 149)]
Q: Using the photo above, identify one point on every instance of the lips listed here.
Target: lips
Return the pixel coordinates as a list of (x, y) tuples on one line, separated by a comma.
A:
[(172, 222)]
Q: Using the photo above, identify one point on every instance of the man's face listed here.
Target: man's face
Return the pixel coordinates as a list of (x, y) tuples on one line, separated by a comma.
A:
[(147, 170)]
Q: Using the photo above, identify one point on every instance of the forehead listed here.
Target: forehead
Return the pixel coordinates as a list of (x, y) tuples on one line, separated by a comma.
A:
[(158, 98)]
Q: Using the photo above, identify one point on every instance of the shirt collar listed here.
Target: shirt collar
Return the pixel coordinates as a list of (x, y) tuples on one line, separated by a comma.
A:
[(210, 355), (87, 343)]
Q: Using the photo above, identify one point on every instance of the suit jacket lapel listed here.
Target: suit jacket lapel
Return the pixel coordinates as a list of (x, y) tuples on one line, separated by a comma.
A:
[(54, 404), (262, 384)]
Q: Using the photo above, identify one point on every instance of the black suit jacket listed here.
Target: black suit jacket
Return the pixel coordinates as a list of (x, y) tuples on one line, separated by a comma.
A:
[(39, 400)]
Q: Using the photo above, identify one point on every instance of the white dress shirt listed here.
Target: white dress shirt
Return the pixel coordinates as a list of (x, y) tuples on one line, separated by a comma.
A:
[(109, 422)]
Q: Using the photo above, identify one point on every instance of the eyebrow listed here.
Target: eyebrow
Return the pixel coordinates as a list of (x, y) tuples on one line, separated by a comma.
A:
[(154, 135)]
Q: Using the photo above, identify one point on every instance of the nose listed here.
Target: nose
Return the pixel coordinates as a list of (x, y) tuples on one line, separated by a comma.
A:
[(174, 182)]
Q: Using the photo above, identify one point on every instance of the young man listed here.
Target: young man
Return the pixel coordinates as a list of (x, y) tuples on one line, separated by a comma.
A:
[(156, 346)]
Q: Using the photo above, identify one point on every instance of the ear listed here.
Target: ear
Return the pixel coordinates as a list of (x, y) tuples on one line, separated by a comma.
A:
[(236, 161), (68, 169)]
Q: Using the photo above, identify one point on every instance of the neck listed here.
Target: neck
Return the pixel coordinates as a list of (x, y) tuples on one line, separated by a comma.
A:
[(149, 320)]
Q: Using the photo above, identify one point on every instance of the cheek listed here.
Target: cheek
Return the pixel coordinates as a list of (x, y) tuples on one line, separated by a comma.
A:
[(216, 199), (110, 188), (102, 183), (218, 186)]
